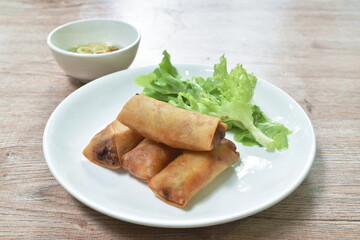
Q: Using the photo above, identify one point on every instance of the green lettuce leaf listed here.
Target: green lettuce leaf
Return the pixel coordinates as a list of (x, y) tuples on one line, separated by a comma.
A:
[(227, 95)]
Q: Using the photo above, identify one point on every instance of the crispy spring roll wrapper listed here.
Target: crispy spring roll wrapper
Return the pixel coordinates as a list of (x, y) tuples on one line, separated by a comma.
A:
[(148, 158), (192, 171), (173, 126), (108, 146)]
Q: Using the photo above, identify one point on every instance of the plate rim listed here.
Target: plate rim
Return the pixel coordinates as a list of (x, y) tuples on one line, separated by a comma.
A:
[(176, 223)]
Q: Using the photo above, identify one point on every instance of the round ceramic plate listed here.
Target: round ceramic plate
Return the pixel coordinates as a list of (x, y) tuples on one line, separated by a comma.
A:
[(258, 181)]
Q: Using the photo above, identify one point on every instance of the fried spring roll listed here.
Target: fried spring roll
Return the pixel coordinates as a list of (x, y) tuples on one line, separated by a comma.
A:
[(148, 158), (177, 183), (173, 126), (108, 146)]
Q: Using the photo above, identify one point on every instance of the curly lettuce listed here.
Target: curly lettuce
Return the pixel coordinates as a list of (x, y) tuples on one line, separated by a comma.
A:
[(227, 95)]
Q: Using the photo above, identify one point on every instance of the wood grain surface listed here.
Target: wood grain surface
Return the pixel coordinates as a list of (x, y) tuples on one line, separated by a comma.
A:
[(310, 49)]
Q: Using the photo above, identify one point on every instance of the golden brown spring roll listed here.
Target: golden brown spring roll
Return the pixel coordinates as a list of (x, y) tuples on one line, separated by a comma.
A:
[(148, 158), (177, 183), (173, 126), (108, 146)]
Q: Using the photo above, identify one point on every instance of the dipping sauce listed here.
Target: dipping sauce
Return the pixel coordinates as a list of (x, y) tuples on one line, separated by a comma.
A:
[(94, 48)]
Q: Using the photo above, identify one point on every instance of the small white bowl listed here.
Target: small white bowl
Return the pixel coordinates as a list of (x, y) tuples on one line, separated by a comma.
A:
[(87, 67)]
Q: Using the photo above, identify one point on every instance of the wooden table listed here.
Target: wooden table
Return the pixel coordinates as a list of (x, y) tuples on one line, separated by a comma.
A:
[(310, 49)]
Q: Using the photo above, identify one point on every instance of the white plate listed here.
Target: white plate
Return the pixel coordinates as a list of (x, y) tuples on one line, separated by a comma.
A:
[(261, 179)]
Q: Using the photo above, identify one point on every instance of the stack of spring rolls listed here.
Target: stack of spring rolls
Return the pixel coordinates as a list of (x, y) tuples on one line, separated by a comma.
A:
[(175, 151)]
